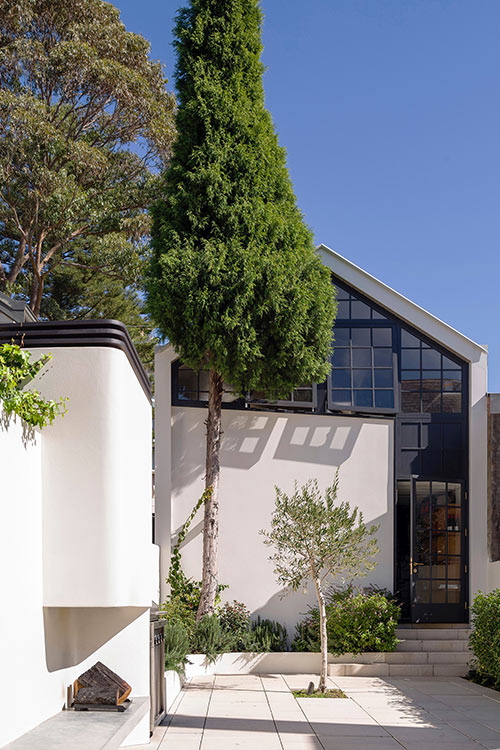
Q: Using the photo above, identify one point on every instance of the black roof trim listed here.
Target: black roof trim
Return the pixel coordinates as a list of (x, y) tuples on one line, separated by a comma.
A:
[(56, 333)]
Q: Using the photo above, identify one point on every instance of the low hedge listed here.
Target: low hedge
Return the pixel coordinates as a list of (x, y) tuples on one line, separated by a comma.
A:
[(357, 622), (485, 638)]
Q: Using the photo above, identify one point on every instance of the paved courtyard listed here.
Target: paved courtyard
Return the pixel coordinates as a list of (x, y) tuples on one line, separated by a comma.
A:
[(259, 713)]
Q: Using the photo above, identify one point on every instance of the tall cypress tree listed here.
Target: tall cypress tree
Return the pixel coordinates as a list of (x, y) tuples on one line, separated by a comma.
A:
[(235, 281)]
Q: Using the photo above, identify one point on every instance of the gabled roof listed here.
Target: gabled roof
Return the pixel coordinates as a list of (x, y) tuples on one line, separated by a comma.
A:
[(400, 305)]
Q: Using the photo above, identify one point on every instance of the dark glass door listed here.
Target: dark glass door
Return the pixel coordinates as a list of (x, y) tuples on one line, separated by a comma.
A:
[(430, 551)]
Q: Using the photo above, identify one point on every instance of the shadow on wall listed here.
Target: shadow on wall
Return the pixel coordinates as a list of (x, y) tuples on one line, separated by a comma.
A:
[(74, 633), (299, 437)]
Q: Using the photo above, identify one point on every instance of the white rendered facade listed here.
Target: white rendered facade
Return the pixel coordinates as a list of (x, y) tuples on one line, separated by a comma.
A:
[(263, 447), (75, 538)]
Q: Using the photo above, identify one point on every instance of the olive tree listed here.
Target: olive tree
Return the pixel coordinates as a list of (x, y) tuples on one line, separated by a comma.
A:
[(316, 539)]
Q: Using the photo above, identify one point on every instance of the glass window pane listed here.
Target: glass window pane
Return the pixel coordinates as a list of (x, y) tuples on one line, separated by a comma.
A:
[(408, 340), (360, 337), (362, 378), (341, 336), (377, 316), (382, 336), (341, 378), (341, 294), (453, 543), (439, 592), (431, 380), (431, 359), (454, 493), (454, 567), (203, 380), (452, 380), (448, 364), (383, 378), (384, 399), (361, 357), (410, 402), (341, 397), (410, 359), (363, 398), (359, 310), (227, 396), (343, 310), (341, 357), (454, 592), (187, 379), (431, 403), (410, 380), (382, 357), (452, 403), (453, 522), (422, 592)]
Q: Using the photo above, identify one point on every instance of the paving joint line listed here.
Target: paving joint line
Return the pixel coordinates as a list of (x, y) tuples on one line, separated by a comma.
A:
[(271, 712), (303, 712), (206, 713)]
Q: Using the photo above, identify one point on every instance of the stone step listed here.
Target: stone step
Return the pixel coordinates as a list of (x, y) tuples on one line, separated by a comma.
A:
[(397, 670), (404, 657), (433, 634), (433, 645)]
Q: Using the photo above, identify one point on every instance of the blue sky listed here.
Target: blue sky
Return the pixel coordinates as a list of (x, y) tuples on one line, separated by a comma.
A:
[(390, 114)]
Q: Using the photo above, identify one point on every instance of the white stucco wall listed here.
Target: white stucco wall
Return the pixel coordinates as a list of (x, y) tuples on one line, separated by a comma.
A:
[(260, 450), (75, 539)]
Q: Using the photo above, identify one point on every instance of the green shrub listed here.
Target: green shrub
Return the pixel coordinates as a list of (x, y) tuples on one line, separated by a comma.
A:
[(268, 635), (208, 637), (485, 638), (177, 645), (357, 622), (306, 636), (235, 621)]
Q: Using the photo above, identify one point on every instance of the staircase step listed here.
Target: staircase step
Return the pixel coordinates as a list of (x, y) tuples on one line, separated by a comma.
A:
[(397, 670), (404, 657), (440, 644), (433, 634)]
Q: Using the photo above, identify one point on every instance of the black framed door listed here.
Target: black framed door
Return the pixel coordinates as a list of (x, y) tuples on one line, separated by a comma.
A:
[(431, 552)]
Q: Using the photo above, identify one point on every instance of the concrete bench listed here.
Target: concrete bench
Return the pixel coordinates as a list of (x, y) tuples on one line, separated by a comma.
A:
[(83, 730)]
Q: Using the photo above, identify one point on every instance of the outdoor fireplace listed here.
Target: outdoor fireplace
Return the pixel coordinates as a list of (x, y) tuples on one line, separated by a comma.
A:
[(100, 689)]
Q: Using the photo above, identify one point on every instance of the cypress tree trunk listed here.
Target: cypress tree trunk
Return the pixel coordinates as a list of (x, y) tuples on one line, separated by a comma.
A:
[(210, 581)]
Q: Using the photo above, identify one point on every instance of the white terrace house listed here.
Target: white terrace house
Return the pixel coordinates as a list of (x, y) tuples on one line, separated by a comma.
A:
[(404, 415)]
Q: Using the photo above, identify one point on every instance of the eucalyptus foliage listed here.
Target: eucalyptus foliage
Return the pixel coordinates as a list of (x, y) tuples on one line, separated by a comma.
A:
[(236, 284), (77, 91), (16, 371), (315, 539)]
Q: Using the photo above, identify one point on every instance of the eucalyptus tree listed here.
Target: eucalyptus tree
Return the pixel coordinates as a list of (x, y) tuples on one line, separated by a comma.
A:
[(235, 282), (318, 540), (85, 121)]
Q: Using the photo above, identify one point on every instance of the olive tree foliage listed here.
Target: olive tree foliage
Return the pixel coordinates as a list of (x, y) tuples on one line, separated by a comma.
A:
[(85, 121), (315, 539), (235, 283)]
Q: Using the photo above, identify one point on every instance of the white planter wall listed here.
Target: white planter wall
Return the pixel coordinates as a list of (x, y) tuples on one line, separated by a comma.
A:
[(75, 540)]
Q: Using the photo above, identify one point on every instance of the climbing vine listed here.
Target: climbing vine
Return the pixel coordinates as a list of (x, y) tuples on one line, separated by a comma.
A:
[(16, 371)]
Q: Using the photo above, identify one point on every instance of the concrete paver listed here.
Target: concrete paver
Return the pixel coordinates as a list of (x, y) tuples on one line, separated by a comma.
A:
[(259, 712)]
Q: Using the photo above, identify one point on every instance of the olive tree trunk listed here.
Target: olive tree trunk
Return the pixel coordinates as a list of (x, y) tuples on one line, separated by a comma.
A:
[(210, 581), (324, 636)]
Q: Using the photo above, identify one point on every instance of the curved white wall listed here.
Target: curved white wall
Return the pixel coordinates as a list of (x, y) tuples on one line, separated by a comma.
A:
[(75, 538), (96, 482)]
